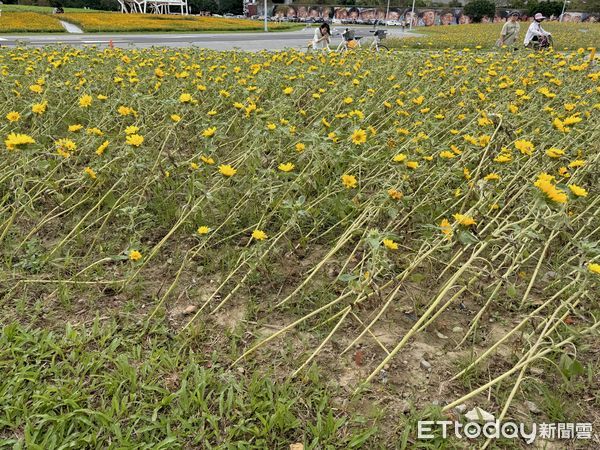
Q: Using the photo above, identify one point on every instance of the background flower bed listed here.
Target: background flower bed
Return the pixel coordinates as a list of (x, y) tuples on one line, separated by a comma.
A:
[(106, 21), (565, 35), (19, 22), (22, 19)]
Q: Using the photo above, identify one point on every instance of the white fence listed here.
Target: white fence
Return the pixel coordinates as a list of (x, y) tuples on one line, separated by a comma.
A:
[(154, 6)]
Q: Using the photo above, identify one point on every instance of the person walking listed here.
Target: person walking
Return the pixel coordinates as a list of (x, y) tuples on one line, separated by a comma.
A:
[(510, 30)]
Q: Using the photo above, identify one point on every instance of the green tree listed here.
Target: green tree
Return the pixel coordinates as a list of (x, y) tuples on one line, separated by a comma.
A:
[(231, 6), (203, 5), (585, 5), (517, 4), (476, 9), (547, 8)]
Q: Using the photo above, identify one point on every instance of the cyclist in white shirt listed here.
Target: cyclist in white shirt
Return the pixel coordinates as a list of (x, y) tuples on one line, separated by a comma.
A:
[(535, 32)]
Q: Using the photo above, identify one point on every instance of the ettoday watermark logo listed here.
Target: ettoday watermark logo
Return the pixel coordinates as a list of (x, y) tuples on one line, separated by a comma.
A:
[(506, 430)]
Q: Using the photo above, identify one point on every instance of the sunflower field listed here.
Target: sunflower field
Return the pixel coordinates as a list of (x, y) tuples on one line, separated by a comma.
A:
[(177, 228), (40, 21)]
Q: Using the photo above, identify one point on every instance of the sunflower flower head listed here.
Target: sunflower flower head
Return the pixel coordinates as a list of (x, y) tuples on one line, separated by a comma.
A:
[(287, 167), (85, 101), (349, 181), (259, 235), (185, 98), (209, 132), (359, 136), (203, 230), (15, 140), (578, 190), (545, 184), (390, 244), (227, 170), (446, 228), (13, 116), (525, 147), (135, 140), (90, 172), (464, 220), (394, 194)]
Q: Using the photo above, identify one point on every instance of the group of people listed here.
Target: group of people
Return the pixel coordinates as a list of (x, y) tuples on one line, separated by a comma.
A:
[(535, 33), (508, 36)]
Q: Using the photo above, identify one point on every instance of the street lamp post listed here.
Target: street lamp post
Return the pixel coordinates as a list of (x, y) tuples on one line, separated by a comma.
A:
[(266, 28), (412, 15), (562, 14), (387, 13)]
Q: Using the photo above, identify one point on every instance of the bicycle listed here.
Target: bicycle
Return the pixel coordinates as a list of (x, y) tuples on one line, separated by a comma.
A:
[(378, 36), (543, 43), (351, 41)]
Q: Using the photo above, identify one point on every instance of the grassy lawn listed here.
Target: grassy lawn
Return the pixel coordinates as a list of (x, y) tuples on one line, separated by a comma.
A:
[(113, 383)]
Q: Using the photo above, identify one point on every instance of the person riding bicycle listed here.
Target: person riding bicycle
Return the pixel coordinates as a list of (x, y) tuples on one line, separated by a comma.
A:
[(535, 33), (322, 37)]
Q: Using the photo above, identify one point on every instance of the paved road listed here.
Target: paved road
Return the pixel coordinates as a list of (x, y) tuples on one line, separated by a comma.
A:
[(217, 41)]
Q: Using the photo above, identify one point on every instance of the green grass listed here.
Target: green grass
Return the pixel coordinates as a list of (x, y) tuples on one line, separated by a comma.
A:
[(109, 386), (118, 385)]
